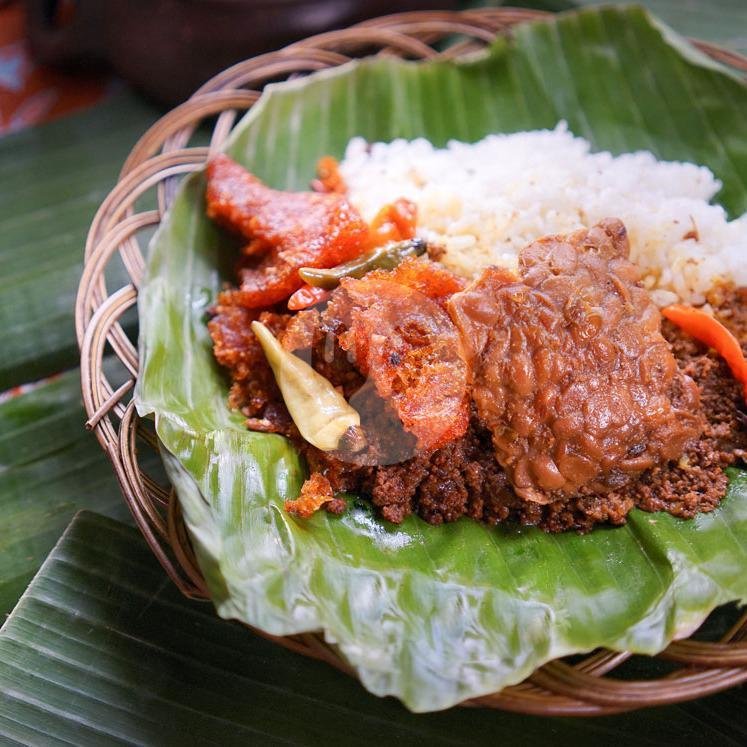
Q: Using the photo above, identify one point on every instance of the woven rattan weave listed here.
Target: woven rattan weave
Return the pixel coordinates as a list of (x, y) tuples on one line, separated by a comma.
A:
[(157, 162)]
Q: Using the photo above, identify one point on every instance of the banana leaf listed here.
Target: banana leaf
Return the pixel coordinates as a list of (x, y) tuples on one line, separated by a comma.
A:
[(720, 21), (52, 179), (434, 615), (102, 650), (50, 467)]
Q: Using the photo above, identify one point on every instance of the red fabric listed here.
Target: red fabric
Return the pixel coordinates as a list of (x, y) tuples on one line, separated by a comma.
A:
[(30, 93)]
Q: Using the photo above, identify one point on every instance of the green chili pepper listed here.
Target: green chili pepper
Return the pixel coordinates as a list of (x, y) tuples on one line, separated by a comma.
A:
[(319, 411), (385, 257)]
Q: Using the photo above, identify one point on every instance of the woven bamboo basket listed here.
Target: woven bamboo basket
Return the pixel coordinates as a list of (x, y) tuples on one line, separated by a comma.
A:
[(581, 687)]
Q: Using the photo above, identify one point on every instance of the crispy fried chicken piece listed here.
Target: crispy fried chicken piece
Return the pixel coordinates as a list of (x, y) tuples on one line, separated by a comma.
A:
[(253, 387), (285, 230), (315, 493), (426, 277), (407, 345), (571, 372), (302, 330)]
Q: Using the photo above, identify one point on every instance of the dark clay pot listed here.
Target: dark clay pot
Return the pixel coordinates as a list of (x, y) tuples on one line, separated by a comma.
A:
[(167, 48)]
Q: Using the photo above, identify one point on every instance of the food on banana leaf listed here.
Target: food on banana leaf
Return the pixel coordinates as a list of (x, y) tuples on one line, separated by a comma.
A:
[(434, 615), (290, 230), (537, 384)]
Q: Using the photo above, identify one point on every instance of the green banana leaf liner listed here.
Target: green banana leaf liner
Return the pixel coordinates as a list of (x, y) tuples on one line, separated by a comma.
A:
[(435, 615)]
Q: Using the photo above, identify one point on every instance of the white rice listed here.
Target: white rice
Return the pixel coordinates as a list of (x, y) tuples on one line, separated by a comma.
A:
[(485, 201)]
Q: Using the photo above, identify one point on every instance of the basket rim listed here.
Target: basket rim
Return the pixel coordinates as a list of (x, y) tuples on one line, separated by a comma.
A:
[(162, 156)]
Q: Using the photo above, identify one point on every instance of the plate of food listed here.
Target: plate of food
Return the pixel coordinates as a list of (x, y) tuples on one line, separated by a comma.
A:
[(446, 358)]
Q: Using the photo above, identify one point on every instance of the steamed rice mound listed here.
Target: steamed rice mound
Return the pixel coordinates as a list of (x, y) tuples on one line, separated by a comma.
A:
[(485, 201)]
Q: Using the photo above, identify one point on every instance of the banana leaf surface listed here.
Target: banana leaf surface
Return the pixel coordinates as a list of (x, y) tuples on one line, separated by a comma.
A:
[(434, 615), (52, 179), (104, 650)]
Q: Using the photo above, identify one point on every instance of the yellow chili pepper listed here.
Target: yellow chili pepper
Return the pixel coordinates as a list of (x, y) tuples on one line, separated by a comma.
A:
[(319, 411)]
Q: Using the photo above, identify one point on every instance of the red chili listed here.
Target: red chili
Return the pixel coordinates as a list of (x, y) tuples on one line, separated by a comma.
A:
[(394, 222), (711, 332), (307, 296)]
